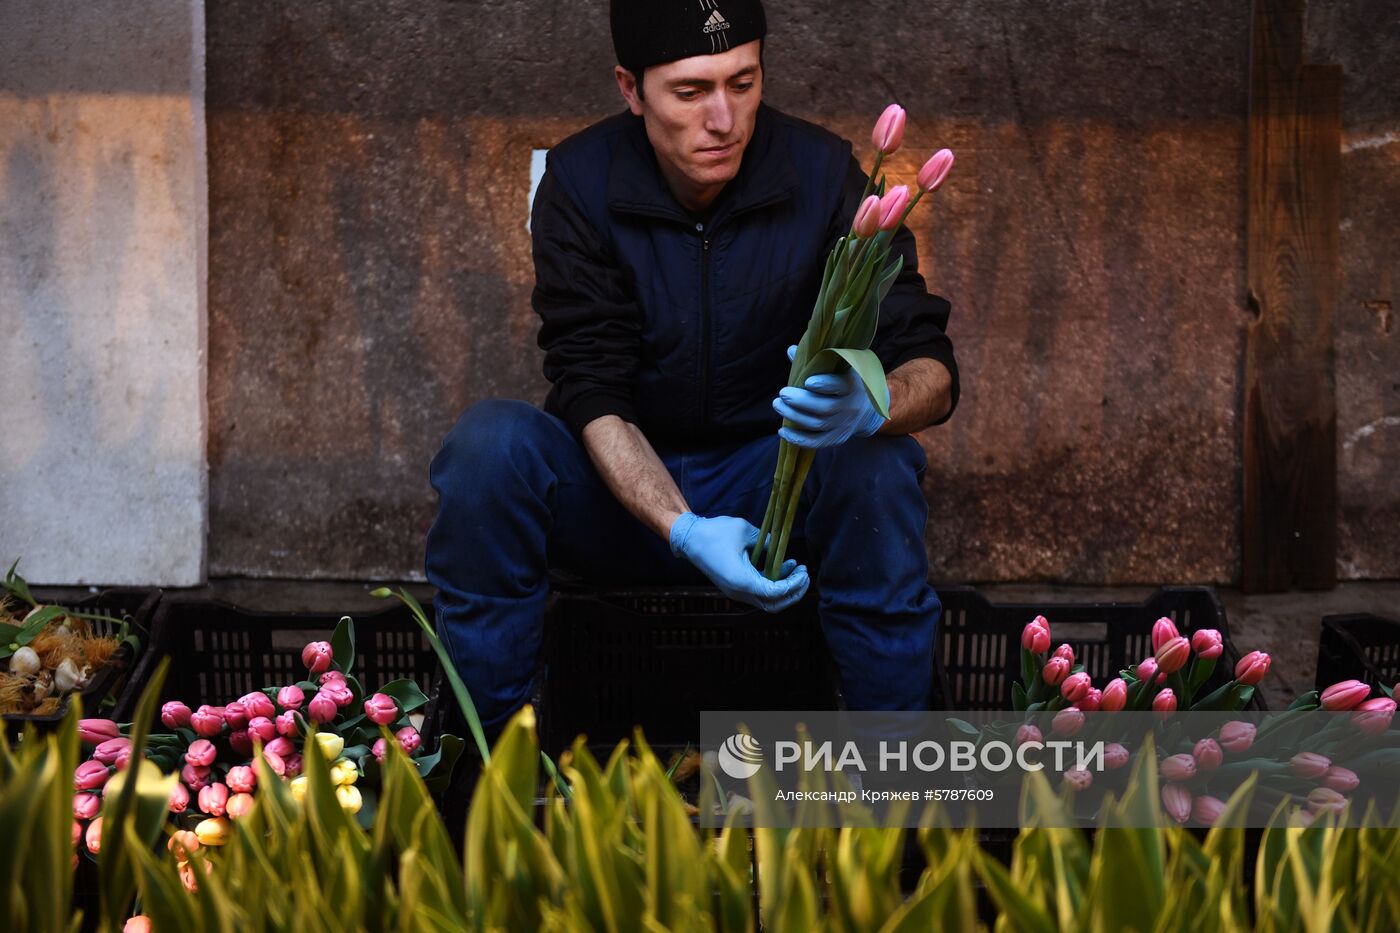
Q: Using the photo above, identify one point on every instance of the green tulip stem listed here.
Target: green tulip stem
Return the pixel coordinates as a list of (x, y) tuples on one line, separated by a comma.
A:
[(770, 514), (870, 179), (804, 459)]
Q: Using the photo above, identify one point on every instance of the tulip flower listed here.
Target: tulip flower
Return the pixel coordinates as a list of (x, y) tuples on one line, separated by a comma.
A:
[(108, 750), (1206, 810), (379, 749), (1067, 721), (257, 704), (213, 798), (175, 715), (867, 222), (179, 798), (1310, 765), (239, 805), (241, 742), (1040, 621), (1236, 736), (888, 133), (86, 806), (291, 697), (214, 831), (93, 836), (287, 724), (77, 834), (281, 747), (1207, 754), (1028, 733), (1146, 669), (275, 762), (349, 797), (322, 708), (201, 753), (181, 843), (331, 745), (1373, 716), (1323, 799), (1344, 696), (97, 731), (123, 757), (294, 765), (381, 709), (1115, 695), (331, 677), (1163, 631), (187, 876), (1252, 668), (1066, 652), (1090, 701), (1342, 780), (1208, 644), (1178, 768), (935, 171), (1164, 703), (1055, 671), (409, 739), (207, 721), (262, 729), (195, 777), (1173, 655), (90, 775), (1075, 686), (236, 715), (892, 207), (298, 788), (1078, 778), (1115, 756), (1176, 800), (317, 657), (344, 771), (1035, 639), (241, 779), (137, 924)]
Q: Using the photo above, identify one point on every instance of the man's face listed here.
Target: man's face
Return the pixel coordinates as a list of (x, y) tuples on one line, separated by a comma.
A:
[(699, 115)]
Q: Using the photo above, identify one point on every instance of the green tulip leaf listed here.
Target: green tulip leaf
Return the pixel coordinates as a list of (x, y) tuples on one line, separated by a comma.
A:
[(343, 645)]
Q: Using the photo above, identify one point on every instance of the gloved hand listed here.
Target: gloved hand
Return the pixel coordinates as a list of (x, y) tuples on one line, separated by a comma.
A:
[(827, 409), (720, 547)]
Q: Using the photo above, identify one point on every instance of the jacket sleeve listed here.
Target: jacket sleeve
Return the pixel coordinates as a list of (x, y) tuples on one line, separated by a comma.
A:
[(912, 321), (590, 324)]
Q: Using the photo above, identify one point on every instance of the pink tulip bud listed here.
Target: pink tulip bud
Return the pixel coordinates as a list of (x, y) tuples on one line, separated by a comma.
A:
[(1178, 768), (1073, 687), (339, 691), (1164, 703), (935, 170), (1173, 655), (287, 724), (1146, 670), (1342, 780), (281, 747), (1115, 695), (321, 708), (1207, 754), (77, 834), (1035, 639), (1163, 631), (213, 799), (94, 836), (1345, 695), (137, 924), (331, 677), (241, 742), (291, 697), (409, 739), (1236, 736), (294, 763), (381, 709), (1176, 800), (86, 806), (892, 207), (1208, 644), (1252, 668), (1055, 671), (1090, 701), (1067, 721), (175, 715), (108, 751), (275, 762), (262, 729), (1066, 652), (867, 222), (181, 843), (1206, 810), (123, 758), (1373, 716), (96, 731), (379, 749), (1323, 799), (258, 704), (236, 715), (195, 777), (1078, 778), (317, 657), (238, 805), (241, 779), (90, 775), (207, 721), (1042, 622), (889, 129), (1310, 764), (179, 798), (1115, 756), (1028, 733), (201, 753)]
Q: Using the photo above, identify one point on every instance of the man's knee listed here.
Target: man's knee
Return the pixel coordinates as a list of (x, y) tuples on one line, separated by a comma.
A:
[(889, 464), (488, 438)]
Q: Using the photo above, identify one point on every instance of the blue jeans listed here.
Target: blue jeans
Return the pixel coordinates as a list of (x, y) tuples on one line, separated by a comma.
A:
[(518, 496)]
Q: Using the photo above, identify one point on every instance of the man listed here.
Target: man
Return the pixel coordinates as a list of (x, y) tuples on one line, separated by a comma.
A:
[(678, 249)]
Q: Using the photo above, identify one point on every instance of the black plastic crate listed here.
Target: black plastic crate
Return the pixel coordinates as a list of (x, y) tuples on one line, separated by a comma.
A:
[(1361, 647), (219, 652), (135, 604), (978, 645)]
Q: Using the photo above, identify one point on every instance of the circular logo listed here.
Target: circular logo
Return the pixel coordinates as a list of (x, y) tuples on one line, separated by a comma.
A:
[(740, 756)]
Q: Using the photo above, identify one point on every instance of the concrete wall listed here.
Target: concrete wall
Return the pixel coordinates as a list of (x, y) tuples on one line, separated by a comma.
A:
[(102, 301)]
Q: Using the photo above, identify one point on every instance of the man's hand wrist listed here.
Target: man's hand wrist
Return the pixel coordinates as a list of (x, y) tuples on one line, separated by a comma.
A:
[(680, 531)]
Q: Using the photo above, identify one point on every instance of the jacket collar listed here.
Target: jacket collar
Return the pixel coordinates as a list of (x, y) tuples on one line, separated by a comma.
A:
[(636, 185)]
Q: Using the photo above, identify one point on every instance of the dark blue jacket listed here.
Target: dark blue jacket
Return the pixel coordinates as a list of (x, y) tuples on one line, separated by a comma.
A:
[(680, 326)]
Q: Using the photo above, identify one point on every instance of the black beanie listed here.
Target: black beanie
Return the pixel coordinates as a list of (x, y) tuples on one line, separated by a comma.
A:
[(653, 32)]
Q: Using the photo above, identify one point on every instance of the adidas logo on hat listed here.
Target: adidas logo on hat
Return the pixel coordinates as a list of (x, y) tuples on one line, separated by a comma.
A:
[(715, 23)]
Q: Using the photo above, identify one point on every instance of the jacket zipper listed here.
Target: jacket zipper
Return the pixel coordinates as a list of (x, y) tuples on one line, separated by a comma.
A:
[(704, 325)]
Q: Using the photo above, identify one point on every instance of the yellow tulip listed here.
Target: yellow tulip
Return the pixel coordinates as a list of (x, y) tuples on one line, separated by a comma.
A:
[(331, 745), (214, 831), (298, 786), (349, 797), (344, 772)]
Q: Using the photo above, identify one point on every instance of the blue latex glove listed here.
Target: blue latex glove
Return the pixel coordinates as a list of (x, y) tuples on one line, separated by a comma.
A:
[(827, 410), (720, 547)]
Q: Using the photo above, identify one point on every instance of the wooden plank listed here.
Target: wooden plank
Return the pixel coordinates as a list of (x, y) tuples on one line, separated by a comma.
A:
[(1290, 422)]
